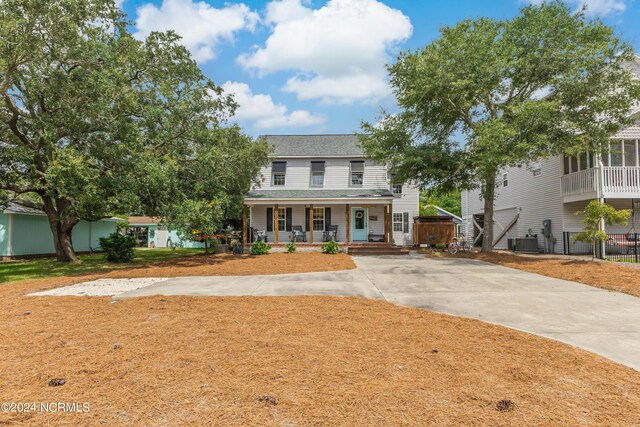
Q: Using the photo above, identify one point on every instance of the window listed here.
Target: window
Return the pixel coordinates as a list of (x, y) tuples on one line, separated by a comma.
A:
[(317, 174), (567, 165), (318, 219), (396, 188), (630, 153), (282, 219), (505, 179), (536, 169), (574, 164), (357, 172), (583, 161), (397, 222), (616, 154), (279, 171)]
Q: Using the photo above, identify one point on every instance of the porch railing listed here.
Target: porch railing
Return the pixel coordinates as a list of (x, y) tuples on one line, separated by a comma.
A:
[(616, 179)]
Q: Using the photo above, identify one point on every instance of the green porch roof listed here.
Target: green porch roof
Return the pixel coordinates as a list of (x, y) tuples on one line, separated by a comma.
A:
[(349, 193)]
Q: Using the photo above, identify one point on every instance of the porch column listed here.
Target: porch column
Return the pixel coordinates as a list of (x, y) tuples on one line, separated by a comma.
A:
[(390, 223), (310, 223), (386, 223), (348, 222), (276, 217), (245, 228)]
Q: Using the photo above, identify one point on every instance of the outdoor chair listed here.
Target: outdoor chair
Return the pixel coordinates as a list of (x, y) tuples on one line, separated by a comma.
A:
[(298, 234), (259, 236), (330, 235)]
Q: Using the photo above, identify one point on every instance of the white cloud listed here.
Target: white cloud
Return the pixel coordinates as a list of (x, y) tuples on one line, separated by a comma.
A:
[(338, 51), (596, 7), (201, 25), (264, 113)]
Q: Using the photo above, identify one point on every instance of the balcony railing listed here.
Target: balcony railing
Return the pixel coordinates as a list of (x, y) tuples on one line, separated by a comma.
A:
[(621, 179), (616, 181), (580, 182)]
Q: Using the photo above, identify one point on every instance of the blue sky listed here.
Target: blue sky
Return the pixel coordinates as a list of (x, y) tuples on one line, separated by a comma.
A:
[(312, 66)]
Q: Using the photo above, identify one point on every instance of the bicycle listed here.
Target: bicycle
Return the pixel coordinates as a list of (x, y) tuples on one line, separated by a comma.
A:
[(456, 245)]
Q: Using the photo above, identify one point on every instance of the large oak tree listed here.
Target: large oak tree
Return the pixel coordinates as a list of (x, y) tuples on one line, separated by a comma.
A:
[(94, 121), (548, 81)]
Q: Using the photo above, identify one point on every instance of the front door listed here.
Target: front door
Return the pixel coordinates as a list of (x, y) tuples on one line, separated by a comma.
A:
[(359, 224)]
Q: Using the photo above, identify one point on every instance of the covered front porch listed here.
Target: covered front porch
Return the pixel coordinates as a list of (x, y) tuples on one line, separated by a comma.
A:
[(319, 221)]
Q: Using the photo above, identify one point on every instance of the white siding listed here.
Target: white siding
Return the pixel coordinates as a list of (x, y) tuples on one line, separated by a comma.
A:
[(336, 175), (408, 201), (572, 222), (536, 198)]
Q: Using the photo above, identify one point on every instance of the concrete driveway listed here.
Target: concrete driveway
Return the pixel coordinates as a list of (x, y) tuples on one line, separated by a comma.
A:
[(607, 323)]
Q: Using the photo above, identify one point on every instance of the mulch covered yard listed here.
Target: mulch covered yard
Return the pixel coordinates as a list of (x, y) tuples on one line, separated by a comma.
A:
[(293, 361), (606, 275)]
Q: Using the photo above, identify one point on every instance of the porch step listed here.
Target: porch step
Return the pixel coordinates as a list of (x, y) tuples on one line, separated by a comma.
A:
[(383, 250)]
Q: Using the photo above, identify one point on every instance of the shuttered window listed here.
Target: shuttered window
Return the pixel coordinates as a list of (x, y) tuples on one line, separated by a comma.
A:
[(318, 219), (398, 222)]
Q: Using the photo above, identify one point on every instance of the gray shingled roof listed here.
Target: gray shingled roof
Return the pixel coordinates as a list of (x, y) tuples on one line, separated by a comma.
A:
[(315, 145), (350, 193), (19, 209), (629, 132)]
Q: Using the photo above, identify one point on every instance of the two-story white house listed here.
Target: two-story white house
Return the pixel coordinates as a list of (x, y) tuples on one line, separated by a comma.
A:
[(318, 183), (551, 191), (555, 189)]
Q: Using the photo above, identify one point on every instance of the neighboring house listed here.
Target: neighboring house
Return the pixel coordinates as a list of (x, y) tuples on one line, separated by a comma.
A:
[(318, 181), (555, 189), (541, 199), (149, 233), (25, 232)]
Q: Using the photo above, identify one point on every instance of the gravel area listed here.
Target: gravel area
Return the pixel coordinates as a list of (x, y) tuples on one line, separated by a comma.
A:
[(101, 287)]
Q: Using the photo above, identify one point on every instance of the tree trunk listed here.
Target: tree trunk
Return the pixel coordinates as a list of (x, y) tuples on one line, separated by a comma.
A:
[(489, 198), (206, 249), (61, 230)]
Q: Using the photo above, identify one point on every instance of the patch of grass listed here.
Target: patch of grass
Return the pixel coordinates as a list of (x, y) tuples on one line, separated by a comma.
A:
[(40, 268)]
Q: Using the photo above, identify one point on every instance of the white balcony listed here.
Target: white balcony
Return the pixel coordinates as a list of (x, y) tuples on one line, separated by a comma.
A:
[(621, 182)]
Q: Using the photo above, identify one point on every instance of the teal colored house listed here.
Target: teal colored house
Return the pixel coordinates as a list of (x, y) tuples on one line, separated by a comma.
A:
[(25, 232)]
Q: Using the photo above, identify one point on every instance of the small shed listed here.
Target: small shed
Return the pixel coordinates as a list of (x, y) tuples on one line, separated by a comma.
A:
[(433, 230)]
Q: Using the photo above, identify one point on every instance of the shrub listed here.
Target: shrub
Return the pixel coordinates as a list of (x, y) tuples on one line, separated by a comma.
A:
[(259, 248), (118, 248), (441, 246), (291, 247), (330, 248)]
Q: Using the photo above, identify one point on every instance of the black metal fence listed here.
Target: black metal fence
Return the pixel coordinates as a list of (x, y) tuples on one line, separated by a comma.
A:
[(618, 247)]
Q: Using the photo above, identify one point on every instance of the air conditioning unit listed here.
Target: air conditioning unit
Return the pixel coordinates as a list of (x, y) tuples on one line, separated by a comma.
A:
[(527, 244)]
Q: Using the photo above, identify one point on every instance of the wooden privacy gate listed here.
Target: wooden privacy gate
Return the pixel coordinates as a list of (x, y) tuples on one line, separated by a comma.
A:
[(432, 233)]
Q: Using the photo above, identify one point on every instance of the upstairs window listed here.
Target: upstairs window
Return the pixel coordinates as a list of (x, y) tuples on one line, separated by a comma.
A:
[(536, 169), (317, 174), (357, 173), (505, 180), (396, 188), (279, 172)]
